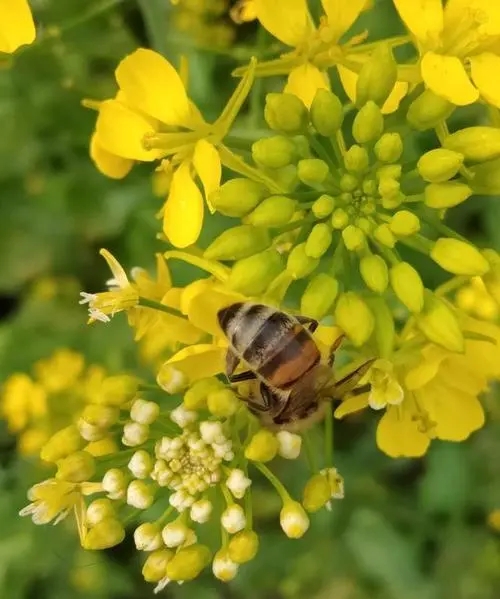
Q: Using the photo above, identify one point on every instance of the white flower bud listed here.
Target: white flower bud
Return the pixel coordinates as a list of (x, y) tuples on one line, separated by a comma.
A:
[(223, 566), (201, 511), (90, 432), (238, 483), (171, 379), (144, 412), (211, 432), (135, 434), (147, 537), (182, 417), (141, 464), (174, 534), (289, 445), (233, 518), (181, 500), (98, 510), (161, 473), (114, 483), (139, 495), (294, 520)]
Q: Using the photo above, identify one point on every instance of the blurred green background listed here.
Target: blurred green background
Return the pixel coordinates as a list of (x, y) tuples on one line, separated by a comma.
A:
[(407, 528)]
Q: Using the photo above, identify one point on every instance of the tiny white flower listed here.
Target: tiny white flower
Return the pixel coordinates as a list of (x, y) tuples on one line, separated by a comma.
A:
[(294, 520), (147, 537), (135, 434), (233, 518), (223, 567), (174, 534), (139, 495), (141, 464), (98, 510), (211, 432), (201, 511), (114, 483), (238, 483), (289, 445), (182, 417), (144, 412)]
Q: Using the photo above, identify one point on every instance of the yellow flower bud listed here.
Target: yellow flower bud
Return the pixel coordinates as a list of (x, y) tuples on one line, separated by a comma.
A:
[(439, 165), (263, 446), (428, 110), (238, 196), (274, 152), (195, 397), (100, 416), (223, 567), (408, 286), (377, 76), (388, 187), (340, 218), (384, 331), (446, 195), (374, 272), (316, 493), (155, 567), (353, 316), (348, 182), (299, 264), (147, 537), (312, 171), (294, 520), (354, 238), (274, 211), (238, 242), (286, 113), (389, 147), (99, 510), (326, 113), (243, 546), (439, 323), (222, 403), (103, 447), (188, 562), (356, 159), (384, 235), (475, 143), (319, 296), (459, 257), (319, 240), (253, 275), (105, 534), (404, 223), (61, 444), (323, 206), (76, 468), (368, 124), (171, 379)]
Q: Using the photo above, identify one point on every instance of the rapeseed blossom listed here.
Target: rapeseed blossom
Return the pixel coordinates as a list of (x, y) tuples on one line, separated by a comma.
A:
[(17, 27)]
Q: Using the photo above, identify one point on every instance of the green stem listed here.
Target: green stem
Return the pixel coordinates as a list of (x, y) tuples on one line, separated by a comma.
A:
[(248, 502), (154, 13), (273, 479), (165, 516), (219, 271), (329, 437), (320, 150), (238, 165), (451, 285), (309, 452), (148, 303)]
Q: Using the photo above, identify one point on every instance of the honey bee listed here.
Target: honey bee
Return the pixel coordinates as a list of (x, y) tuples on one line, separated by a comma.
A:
[(292, 386)]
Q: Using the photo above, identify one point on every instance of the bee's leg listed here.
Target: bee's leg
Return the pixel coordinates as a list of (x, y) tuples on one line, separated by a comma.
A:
[(350, 381), (232, 362), (248, 375), (309, 323), (334, 348)]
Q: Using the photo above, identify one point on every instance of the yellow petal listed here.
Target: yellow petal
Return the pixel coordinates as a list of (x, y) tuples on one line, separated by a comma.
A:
[(398, 435), (481, 68), (17, 27), (183, 214), (175, 328), (206, 161), (120, 131), (447, 77), (341, 14), (287, 20), (349, 80), (120, 278), (458, 13), (304, 81), (352, 404), (427, 368), (109, 164), (152, 85), (424, 19), (199, 361)]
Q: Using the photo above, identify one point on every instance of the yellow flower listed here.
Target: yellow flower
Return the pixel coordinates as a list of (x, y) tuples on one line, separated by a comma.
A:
[(22, 400), (61, 371), (152, 118), (459, 45), (475, 300), (17, 27)]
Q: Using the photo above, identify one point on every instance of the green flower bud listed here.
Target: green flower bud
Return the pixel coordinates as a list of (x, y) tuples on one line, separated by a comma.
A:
[(374, 272), (274, 211), (384, 332), (155, 566), (299, 264), (312, 171), (368, 124), (408, 286), (404, 223), (353, 316), (384, 235), (428, 110), (475, 143), (364, 224), (78, 467), (486, 177), (370, 187), (446, 195), (222, 403), (377, 76), (263, 446), (439, 165), (243, 546), (62, 444), (348, 182), (319, 240), (105, 534), (319, 296), (188, 562), (285, 113), (389, 147), (340, 218), (253, 275), (439, 323), (323, 206), (356, 159), (238, 242), (326, 113), (274, 152), (354, 238), (238, 196), (459, 257), (316, 493)]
